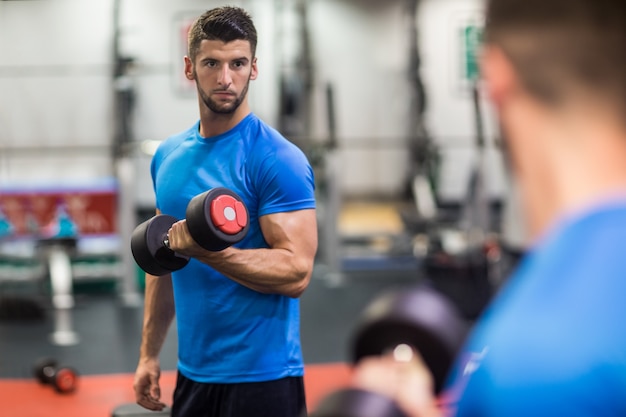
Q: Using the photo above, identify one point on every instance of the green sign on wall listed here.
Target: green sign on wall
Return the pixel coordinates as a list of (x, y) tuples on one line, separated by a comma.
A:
[(472, 40)]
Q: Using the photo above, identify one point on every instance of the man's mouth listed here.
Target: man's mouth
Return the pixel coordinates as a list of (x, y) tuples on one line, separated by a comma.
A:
[(224, 94)]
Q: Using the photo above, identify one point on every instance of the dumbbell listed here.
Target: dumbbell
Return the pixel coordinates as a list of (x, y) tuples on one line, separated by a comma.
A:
[(398, 322), (64, 379), (216, 219)]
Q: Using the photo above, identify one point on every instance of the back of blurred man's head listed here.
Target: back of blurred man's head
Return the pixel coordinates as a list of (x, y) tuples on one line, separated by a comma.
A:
[(564, 50)]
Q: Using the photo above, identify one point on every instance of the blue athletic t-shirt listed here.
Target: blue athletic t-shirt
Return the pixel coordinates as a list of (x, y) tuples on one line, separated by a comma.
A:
[(553, 343), (227, 332)]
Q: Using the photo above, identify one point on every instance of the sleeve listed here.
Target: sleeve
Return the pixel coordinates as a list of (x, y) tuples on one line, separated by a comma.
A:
[(154, 168), (286, 182), (153, 175)]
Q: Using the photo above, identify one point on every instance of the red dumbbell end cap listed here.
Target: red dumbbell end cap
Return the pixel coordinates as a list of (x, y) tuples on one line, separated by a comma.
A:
[(228, 214)]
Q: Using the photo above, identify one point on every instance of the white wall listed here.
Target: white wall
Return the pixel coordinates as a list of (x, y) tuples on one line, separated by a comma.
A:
[(56, 88)]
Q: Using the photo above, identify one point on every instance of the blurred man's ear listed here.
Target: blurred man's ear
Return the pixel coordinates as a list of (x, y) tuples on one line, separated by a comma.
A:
[(498, 73), (189, 69), (254, 72)]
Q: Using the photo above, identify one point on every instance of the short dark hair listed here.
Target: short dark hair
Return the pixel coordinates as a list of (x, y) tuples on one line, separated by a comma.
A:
[(559, 47), (225, 24)]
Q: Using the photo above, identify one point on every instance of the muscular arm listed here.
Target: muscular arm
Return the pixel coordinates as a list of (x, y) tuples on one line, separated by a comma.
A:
[(283, 268), (158, 315)]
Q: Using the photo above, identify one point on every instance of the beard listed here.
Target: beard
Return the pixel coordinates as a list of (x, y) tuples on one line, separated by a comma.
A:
[(222, 108)]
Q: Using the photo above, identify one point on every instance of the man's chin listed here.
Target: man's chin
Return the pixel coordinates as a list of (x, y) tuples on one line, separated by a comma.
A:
[(228, 110), (223, 109)]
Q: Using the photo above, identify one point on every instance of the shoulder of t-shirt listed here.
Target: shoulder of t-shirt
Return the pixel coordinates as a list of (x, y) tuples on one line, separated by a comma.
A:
[(174, 141), (267, 141)]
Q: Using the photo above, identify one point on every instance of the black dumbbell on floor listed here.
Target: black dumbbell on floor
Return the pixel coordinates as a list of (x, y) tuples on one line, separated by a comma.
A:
[(419, 319), (216, 219), (64, 379)]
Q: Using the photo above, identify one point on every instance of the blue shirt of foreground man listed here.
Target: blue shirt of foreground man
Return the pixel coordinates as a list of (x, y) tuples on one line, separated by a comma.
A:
[(553, 342), (237, 310)]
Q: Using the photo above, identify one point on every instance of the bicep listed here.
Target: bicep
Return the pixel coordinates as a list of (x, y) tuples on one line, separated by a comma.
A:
[(294, 231)]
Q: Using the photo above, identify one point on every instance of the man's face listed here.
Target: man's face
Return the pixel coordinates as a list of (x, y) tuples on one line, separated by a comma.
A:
[(222, 72)]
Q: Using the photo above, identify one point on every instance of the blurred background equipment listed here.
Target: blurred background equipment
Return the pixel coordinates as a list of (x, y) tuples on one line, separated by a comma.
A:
[(60, 236), (63, 379), (56, 252)]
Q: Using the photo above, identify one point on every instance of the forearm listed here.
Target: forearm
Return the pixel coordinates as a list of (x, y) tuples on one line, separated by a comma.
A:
[(284, 267), (271, 271), (158, 315)]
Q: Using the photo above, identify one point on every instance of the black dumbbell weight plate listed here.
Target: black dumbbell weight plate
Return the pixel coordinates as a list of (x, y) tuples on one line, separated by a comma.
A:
[(148, 248), (420, 318)]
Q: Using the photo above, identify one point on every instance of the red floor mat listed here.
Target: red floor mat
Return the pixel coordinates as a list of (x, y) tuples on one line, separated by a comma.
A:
[(97, 396)]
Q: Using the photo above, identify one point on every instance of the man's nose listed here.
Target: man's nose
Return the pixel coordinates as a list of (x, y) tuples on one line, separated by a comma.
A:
[(224, 77)]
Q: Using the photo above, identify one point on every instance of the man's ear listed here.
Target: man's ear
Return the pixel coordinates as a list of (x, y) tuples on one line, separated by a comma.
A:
[(254, 71), (189, 73), (499, 75)]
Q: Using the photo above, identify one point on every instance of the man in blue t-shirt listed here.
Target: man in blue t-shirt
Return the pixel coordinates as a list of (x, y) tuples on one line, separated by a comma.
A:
[(553, 341), (237, 310)]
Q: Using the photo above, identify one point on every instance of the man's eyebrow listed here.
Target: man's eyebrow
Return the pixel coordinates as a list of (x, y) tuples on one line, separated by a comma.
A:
[(242, 59)]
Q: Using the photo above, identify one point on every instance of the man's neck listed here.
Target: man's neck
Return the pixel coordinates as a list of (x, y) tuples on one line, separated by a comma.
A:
[(213, 124), (567, 165)]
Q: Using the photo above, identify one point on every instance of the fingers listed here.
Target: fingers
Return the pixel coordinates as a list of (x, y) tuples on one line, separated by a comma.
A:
[(175, 234), (151, 404), (179, 237), (155, 390), (408, 382), (148, 393), (383, 375), (148, 397)]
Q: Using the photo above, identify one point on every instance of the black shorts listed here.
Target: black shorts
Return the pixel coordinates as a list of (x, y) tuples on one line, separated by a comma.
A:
[(279, 398)]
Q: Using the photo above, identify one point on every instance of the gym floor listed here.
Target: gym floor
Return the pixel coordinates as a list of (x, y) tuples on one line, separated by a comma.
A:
[(109, 332), (108, 349)]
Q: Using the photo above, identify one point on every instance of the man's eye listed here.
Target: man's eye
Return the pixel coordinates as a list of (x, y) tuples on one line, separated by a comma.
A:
[(238, 64), (211, 64)]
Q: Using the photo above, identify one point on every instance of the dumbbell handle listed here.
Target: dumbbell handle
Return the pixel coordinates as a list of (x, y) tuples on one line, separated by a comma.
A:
[(166, 244)]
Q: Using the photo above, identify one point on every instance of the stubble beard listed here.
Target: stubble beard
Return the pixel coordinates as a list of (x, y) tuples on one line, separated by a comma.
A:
[(222, 108)]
